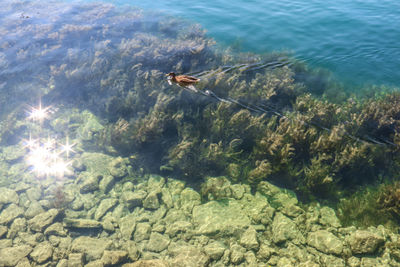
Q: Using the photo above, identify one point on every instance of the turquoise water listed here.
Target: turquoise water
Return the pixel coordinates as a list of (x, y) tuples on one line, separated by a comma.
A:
[(357, 40)]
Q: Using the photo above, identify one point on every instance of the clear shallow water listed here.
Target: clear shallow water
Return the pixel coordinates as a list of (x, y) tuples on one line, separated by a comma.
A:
[(358, 40)]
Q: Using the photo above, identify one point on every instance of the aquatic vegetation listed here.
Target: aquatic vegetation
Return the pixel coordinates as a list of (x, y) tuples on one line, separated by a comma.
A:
[(281, 121)]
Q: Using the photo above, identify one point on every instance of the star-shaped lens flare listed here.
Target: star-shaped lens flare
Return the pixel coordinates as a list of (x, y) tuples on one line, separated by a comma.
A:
[(39, 113)]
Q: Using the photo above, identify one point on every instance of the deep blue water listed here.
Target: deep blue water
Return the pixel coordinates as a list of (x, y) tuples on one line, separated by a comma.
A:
[(358, 40)]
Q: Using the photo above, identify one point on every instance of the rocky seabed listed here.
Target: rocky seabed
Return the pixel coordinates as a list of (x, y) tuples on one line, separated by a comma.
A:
[(104, 217)]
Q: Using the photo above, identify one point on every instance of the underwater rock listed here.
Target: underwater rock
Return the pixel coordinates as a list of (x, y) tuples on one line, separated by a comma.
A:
[(33, 209), (133, 199), (220, 218), (178, 227), (11, 153), (189, 256), (215, 250), (105, 206), (151, 201), (81, 223), (3, 231), (189, 199), (42, 252), (127, 226), (90, 182), (157, 242), (11, 256), (17, 226), (75, 259), (249, 239), (8, 196), (328, 217), (92, 248), (56, 229), (284, 229), (237, 253), (142, 232), (113, 257), (265, 251), (6, 243), (42, 220), (131, 248), (118, 167), (325, 242), (106, 183), (362, 241), (8, 214)]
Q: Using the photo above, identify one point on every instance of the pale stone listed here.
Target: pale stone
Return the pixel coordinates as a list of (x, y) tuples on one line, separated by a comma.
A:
[(151, 201), (12, 255), (8, 196), (216, 218), (75, 260), (42, 220), (113, 257), (82, 223), (8, 214), (42, 252), (215, 250), (105, 205), (56, 229), (142, 232), (325, 242), (362, 241), (284, 229), (249, 239), (157, 242), (91, 247)]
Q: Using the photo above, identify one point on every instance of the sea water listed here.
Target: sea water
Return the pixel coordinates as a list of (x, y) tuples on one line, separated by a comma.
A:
[(357, 40)]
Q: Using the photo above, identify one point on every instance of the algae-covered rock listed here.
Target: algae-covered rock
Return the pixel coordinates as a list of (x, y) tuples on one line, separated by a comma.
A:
[(362, 241), (151, 201), (105, 205), (42, 220), (189, 199), (90, 182), (76, 259), (42, 252), (325, 241), (106, 183), (328, 217), (157, 242), (113, 257), (8, 196), (284, 229), (220, 218), (215, 250), (56, 229), (127, 226), (249, 239), (8, 214), (133, 199), (118, 167), (82, 223), (189, 256), (92, 248), (11, 256), (142, 232)]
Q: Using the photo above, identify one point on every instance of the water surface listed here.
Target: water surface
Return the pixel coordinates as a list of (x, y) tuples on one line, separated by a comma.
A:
[(357, 40)]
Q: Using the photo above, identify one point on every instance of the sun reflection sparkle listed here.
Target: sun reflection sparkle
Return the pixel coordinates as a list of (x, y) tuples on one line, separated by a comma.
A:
[(47, 156)]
